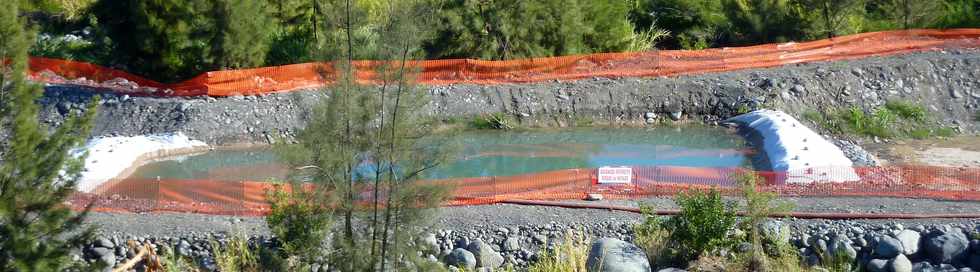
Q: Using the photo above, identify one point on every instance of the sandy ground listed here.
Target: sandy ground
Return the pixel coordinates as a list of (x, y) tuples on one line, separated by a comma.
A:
[(960, 151)]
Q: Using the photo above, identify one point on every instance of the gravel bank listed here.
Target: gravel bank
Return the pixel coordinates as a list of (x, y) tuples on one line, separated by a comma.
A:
[(946, 82)]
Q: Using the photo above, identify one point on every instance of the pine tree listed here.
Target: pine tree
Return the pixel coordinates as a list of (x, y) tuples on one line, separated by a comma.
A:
[(37, 174), (914, 13), (166, 39), (764, 21), (243, 33), (292, 15), (362, 150), (834, 17)]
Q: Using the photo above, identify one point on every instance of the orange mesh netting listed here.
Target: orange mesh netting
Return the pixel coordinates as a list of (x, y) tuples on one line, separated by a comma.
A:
[(249, 198), (450, 71)]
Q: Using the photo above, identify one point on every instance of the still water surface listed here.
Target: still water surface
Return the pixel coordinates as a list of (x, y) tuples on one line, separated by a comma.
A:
[(502, 153)]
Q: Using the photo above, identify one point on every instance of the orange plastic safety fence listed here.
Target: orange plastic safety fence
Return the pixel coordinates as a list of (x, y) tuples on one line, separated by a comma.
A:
[(249, 198), (451, 71)]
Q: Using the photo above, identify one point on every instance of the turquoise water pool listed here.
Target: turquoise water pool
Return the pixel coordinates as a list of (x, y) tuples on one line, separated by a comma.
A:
[(502, 153)]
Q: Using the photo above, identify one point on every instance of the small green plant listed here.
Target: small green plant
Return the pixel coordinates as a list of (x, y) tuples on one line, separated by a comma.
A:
[(584, 121), (907, 110), (702, 225), (235, 255), (976, 116), (653, 238), (569, 256), (838, 261), (173, 262), (493, 121), (759, 206), (895, 119), (300, 223)]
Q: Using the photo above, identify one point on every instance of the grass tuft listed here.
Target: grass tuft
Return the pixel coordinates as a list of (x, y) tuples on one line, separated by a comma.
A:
[(653, 238), (895, 119), (493, 121), (235, 255), (568, 256)]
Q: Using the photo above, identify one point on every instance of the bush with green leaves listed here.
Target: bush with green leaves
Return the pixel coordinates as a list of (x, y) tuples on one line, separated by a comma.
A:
[(703, 224), (960, 14)]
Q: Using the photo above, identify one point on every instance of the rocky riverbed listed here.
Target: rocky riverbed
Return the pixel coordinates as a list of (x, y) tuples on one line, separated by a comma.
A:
[(518, 233)]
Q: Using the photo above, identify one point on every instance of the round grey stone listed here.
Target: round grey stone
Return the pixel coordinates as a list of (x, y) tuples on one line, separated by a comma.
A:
[(900, 264), (461, 258), (888, 247), (909, 240), (947, 248), (614, 255)]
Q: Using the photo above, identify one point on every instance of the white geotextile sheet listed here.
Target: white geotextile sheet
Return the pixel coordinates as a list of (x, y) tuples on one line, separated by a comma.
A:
[(793, 148)]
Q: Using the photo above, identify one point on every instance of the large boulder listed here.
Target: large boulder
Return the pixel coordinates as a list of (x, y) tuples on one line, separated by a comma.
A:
[(900, 264), (614, 255), (461, 258), (485, 255), (949, 247), (910, 241), (888, 248)]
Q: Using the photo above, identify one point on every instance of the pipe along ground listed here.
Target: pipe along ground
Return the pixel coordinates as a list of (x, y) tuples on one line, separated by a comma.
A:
[(799, 215)]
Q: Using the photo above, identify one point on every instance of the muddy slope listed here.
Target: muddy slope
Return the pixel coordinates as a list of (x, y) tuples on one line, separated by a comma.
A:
[(946, 82)]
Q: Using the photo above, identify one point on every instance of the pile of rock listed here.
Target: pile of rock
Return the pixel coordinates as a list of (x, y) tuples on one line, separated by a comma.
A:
[(894, 248)]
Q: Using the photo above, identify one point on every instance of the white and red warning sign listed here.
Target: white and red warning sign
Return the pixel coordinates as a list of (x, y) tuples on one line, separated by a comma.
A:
[(614, 175)]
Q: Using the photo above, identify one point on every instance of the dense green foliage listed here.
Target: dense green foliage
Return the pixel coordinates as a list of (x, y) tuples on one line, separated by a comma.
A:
[(895, 119), (37, 173), (243, 33), (702, 225), (176, 39)]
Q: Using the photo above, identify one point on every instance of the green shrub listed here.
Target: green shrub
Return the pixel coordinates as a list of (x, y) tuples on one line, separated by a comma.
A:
[(960, 14), (653, 238), (976, 116), (702, 225), (300, 223), (907, 110)]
